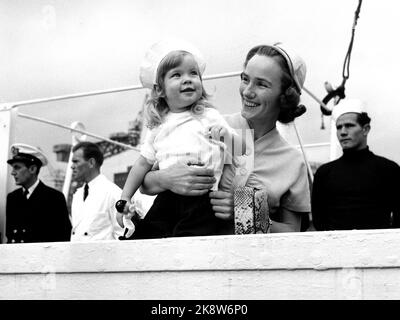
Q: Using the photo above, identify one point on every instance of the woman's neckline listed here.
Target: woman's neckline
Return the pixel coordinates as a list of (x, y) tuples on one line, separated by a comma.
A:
[(263, 132)]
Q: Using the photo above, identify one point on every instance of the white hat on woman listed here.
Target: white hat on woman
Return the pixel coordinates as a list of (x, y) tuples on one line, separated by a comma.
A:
[(297, 66), (158, 51)]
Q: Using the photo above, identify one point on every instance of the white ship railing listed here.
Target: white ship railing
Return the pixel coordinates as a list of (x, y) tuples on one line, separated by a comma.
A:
[(342, 265)]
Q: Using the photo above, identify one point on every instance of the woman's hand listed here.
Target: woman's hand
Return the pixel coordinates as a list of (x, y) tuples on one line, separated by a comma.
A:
[(183, 179), (222, 204)]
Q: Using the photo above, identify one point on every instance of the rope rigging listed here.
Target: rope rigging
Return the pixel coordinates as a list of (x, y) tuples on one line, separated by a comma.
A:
[(339, 92)]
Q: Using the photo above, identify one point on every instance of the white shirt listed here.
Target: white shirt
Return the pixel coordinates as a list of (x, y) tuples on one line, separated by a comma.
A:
[(183, 137), (95, 218), (32, 188)]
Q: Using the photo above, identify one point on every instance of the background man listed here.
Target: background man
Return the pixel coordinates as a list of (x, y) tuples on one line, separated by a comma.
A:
[(360, 190), (93, 205), (35, 212)]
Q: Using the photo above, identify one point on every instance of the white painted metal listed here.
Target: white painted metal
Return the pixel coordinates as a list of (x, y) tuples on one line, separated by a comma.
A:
[(7, 119), (76, 138), (312, 265), (335, 149)]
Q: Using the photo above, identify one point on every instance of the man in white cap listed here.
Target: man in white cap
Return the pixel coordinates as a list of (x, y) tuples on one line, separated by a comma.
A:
[(34, 212), (360, 189)]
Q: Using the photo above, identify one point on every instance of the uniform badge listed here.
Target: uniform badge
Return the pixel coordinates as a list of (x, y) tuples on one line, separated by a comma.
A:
[(14, 151)]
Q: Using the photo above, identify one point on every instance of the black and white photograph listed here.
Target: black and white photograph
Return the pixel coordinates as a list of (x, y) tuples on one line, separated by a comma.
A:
[(198, 156)]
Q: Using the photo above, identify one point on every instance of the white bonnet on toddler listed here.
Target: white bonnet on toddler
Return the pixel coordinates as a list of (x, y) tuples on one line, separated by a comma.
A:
[(158, 51)]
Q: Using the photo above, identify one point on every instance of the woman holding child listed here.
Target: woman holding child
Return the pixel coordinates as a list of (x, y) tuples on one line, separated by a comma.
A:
[(270, 89)]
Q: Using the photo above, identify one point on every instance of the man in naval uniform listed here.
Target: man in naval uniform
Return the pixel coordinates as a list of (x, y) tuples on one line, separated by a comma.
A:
[(360, 189), (34, 212)]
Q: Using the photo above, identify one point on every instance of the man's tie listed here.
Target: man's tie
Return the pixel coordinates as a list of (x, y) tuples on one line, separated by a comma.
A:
[(85, 191), (26, 192)]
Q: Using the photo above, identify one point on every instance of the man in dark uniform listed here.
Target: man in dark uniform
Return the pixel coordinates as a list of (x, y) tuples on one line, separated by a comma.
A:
[(35, 212), (360, 190)]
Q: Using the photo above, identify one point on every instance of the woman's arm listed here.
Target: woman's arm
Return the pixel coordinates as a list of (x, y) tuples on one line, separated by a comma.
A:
[(223, 206), (181, 179), (290, 221)]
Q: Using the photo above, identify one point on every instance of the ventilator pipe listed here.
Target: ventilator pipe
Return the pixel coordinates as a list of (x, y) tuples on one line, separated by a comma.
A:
[(76, 138), (7, 135)]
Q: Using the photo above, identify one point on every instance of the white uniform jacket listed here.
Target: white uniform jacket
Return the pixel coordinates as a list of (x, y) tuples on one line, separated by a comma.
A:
[(95, 218)]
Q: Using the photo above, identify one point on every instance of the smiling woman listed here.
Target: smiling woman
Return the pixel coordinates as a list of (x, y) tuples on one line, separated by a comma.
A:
[(270, 88)]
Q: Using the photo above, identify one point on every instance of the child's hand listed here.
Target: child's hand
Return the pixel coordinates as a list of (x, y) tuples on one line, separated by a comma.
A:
[(235, 143), (217, 132), (122, 206), (128, 214), (127, 210)]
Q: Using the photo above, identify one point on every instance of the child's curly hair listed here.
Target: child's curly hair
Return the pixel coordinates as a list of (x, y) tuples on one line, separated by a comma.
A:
[(156, 105)]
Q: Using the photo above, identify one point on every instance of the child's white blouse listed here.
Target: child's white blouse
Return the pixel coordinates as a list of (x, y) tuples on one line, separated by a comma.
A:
[(184, 138)]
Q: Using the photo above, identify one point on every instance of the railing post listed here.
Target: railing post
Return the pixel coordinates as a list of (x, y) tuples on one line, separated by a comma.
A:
[(7, 135), (335, 147), (76, 137)]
